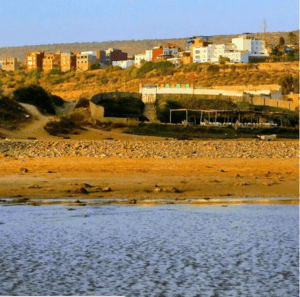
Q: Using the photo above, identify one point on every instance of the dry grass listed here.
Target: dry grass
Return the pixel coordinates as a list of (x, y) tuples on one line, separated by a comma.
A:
[(86, 84)]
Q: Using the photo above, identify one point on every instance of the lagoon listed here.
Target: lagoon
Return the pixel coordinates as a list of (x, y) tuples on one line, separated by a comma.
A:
[(165, 250)]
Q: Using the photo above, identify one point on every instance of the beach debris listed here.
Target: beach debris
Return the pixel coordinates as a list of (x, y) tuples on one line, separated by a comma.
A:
[(84, 215), (157, 189), (166, 189), (106, 189), (238, 175), (69, 209), (242, 184), (33, 187), (215, 181), (132, 201), (267, 137)]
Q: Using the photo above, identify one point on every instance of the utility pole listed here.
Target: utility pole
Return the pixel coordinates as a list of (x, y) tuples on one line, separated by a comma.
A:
[(264, 31)]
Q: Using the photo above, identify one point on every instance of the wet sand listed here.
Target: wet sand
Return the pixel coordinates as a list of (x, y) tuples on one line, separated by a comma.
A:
[(148, 180)]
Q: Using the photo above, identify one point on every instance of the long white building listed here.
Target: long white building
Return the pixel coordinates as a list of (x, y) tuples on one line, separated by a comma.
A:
[(238, 51)]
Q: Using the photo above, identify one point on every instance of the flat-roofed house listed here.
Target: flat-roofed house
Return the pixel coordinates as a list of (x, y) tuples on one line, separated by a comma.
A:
[(34, 60), (84, 60), (10, 63), (50, 62), (67, 61)]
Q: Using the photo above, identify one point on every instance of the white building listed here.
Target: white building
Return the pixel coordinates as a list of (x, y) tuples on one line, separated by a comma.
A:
[(123, 64), (92, 53), (239, 51), (138, 58)]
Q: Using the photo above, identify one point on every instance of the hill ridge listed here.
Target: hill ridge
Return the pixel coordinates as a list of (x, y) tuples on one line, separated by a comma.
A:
[(132, 47)]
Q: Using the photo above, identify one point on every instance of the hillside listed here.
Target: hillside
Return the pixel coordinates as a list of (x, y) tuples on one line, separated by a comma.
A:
[(75, 85), (132, 47)]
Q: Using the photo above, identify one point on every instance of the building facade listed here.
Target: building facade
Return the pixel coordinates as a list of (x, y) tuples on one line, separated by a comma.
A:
[(50, 62), (123, 64), (67, 61), (84, 60), (34, 60), (238, 51), (9, 63)]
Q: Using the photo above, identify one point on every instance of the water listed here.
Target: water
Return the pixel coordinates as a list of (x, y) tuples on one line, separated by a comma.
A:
[(177, 250)]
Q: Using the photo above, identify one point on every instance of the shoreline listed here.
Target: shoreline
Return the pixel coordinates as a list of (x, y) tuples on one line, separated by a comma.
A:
[(146, 181)]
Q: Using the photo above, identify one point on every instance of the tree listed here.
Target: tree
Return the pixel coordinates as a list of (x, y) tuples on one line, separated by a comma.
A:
[(95, 66), (281, 42), (289, 84), (223, 60)]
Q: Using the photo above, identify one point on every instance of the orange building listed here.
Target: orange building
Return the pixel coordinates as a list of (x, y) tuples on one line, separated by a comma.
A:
[(156, 51), (51, 61), (34, 60), (67, 61)]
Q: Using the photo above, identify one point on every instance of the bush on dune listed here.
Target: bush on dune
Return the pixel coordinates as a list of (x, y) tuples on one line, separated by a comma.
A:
[(35, 95)]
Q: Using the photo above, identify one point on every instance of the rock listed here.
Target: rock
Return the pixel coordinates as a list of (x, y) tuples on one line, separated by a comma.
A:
[(170, 190), (81, 190), (157, 189), (23, 170), (33, 187), (106, 189)]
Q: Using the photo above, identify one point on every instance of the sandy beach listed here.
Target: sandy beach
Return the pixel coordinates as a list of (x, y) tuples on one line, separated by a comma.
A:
[(183, 178)]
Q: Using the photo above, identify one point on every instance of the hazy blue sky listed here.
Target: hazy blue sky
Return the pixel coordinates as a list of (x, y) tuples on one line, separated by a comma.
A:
[(33, 22)]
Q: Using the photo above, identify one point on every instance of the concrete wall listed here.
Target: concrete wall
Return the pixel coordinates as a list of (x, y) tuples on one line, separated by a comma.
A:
[(149, 95), (97, 114), (272, 102)]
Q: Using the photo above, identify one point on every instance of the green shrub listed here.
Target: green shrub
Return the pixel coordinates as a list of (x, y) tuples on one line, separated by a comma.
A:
[(120, 104), (54, 71), (35, 95), (57, 101), (62, 127)]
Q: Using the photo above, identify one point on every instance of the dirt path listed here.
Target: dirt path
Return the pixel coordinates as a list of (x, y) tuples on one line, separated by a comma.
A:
[(35, 129)]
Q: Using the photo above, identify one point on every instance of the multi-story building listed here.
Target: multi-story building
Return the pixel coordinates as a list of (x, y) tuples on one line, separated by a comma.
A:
[(238, 51), (116, 55), (254, 46), (156, 51), (84, 60), (139, 58), (9, 63), (102, 58), (34, 60), (123, 64), (67, 61), (51, 61)]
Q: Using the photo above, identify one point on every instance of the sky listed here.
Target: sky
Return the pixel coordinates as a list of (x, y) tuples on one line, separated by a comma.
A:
[(36, 22)]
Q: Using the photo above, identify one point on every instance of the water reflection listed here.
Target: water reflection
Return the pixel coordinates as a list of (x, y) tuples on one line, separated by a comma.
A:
[(175, 250)]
